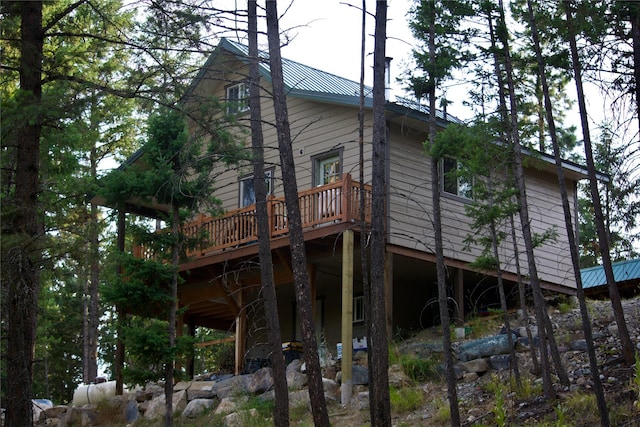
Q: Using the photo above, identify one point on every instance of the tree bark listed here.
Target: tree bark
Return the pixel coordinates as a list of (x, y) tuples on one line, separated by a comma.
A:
[(296, 236), (573, 245), (173, 309), (443, 301), (628, 350), (21, 262), (539, 302), (379, 403), (281, 409)]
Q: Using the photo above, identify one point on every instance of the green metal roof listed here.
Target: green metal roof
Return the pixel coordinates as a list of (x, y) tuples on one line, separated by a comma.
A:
[(303, 81), (622, 271)]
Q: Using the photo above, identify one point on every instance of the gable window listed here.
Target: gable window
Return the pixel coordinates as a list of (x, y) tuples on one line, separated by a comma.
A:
[(248, 191), (358, 309), (452, 181), (237, 98), (327, 168)]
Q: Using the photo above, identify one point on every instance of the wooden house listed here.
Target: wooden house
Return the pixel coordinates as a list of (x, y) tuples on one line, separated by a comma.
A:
[(221, 287)]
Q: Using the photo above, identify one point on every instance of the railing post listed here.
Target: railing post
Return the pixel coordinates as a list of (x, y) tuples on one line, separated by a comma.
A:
[(346, 197), (270, 199)]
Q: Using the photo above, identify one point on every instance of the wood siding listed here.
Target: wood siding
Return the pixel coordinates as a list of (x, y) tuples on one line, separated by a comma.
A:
[(318, 128), (410, 214)]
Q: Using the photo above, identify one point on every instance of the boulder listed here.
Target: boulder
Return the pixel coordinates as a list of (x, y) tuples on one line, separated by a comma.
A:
[(397, 377), (182, 385), (240, 419), (478, 366), (229, 404), (260, 381), (156, 407), (331, 389), (299, 398), (201, 390), (360, 375), (484, 347), (84, 416), (196, 407), (231, 386), (294, 366), (57, 411), (296, 380), (500, 362), (39, 405)]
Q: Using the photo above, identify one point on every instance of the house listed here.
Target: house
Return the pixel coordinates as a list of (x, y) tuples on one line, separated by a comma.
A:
[(221, 287)]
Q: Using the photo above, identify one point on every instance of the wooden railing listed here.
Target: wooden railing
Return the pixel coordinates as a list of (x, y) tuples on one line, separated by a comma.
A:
[(326, 204)]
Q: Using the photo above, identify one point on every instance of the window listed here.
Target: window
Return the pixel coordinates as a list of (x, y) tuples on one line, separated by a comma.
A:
[(237, 98), (358, 309), (453, 181), (327, 168), (248, 191)]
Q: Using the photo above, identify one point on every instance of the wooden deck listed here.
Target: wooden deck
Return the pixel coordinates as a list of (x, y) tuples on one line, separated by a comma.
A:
[(338, 202)]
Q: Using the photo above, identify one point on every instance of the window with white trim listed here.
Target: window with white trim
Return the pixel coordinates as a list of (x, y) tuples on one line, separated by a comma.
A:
[(237, 98), (453, 181), (248, 191), (358, 309), (327, 168)]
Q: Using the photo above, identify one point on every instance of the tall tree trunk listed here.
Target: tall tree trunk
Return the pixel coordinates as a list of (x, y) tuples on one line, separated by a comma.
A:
[(628, 350), (379, 403), (173, 310), (522, 297), (281, 409), (443, 300), (93, 294), (364, 234), (508, 136), (296, 236), (573, 246), (503, 298), (21, 262), (539, 302), (553, 347)]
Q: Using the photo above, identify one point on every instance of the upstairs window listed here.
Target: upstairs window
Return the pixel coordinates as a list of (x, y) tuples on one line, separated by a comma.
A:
[(248, 191), (327, 168), (237, 98), (453, 181)]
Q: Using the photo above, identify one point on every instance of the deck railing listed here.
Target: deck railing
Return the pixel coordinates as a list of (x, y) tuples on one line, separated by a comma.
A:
[(326, 204)]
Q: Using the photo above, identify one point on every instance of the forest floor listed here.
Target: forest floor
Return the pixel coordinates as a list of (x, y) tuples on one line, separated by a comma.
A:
[(492, 398)]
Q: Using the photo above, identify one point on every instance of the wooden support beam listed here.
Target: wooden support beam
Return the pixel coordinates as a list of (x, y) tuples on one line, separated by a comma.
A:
[(346, 389), (241, 321), (215, 342), (313, 282), (458, 292)]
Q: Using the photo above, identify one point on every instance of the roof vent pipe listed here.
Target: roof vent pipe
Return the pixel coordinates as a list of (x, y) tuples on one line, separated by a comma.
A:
[(388, 96)]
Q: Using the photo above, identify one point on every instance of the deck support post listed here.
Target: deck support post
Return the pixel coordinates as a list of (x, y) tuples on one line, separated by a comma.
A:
[(191, 363), (241, 320), (458, 289), (346, 389)]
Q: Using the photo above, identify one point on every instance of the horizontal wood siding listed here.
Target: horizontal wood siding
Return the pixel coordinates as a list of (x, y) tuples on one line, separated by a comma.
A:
[(410, 222), (318, 128)]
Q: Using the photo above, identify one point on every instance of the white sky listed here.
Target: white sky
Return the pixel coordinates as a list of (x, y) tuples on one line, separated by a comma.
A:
[(328, 36)]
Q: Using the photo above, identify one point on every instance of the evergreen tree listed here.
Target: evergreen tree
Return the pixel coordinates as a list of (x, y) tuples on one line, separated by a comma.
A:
[(437, 24)]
